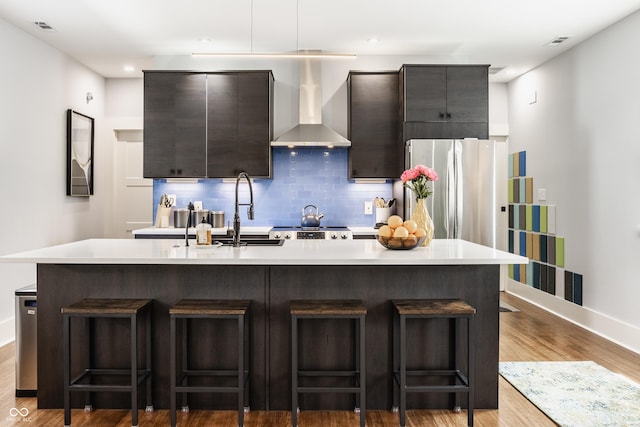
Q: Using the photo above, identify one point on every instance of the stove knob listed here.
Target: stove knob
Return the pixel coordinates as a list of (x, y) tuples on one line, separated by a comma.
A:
[(344, 236), (277, 235), (287, 236), (334, 235)]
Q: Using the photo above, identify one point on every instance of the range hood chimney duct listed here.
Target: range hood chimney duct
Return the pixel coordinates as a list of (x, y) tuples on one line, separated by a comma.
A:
[(310, 132)]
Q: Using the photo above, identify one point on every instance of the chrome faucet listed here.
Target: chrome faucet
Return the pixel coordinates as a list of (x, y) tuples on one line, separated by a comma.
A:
[(236, 216)]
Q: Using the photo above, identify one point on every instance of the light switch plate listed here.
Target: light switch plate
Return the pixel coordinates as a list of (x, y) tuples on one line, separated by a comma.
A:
[(197, 205), (542, 194), (368, 208)]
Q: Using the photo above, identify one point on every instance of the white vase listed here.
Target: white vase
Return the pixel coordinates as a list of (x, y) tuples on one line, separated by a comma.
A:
[(421, 216)]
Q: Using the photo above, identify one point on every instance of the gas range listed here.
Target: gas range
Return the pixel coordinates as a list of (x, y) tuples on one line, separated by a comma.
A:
[(321, 233)]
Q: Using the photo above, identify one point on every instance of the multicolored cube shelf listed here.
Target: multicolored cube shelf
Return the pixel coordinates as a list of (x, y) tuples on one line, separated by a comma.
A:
[(532, 233)]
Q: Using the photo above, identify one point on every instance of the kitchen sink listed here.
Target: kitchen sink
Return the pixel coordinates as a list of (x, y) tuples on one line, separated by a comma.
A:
[(251, 242)]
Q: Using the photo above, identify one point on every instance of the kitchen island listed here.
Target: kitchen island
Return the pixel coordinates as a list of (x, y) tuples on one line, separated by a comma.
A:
[(270, 276)]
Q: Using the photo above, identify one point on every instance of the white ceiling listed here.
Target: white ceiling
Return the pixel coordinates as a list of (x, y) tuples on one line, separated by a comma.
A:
[(106, 35)]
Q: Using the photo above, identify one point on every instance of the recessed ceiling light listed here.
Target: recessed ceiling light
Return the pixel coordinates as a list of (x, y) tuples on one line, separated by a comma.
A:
[(129, 68), (204, 40), (373, 40)]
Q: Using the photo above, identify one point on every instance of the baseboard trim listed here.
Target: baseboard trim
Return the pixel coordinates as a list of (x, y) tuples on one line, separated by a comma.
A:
[(7, 331), (620, 333)]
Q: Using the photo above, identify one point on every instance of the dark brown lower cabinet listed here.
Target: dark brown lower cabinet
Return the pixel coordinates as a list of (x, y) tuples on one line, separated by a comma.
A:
[(270, 288)]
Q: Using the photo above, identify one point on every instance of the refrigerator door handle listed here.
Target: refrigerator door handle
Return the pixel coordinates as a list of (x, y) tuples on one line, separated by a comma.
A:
[(449, 196), (459, 190)]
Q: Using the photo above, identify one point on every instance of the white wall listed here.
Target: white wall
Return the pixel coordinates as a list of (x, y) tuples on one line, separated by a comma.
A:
[(498, 110), (38, 84), (582, 142)]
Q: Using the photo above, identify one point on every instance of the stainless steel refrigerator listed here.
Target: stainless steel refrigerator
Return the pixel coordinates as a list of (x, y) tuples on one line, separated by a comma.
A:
[(470, 194)]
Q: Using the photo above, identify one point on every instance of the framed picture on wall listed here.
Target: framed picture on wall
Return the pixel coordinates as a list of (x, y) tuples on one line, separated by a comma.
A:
[(79, 154)]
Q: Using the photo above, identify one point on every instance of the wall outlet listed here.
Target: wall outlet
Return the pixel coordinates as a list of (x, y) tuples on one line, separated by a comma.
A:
[(197, 205), (368, 208)]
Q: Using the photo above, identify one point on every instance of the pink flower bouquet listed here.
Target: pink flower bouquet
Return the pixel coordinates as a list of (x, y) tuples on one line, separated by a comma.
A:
[(417, 180)]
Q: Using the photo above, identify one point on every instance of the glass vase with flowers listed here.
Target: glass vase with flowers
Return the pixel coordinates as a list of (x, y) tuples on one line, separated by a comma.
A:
[(417, 180)]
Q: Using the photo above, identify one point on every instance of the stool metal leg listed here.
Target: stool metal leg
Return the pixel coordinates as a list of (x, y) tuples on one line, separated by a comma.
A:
[(247, 367), (395, 386), (456, 363), (134, 371), (183, 360), (356, 324), (403, 370), (148, 366), (172, 370), (294, 371), (240, 371), (67, 356), (471, 370), (362, 370), (89, 328)]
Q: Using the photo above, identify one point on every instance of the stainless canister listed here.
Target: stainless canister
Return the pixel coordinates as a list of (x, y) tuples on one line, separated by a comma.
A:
[(216, 219), (198, 216), (180, 216)]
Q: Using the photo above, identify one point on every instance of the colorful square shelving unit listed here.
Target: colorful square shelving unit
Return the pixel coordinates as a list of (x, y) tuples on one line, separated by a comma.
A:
[(532, 233)]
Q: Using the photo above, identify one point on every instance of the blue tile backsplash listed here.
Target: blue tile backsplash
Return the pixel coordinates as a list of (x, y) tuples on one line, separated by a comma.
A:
[(300, 177)]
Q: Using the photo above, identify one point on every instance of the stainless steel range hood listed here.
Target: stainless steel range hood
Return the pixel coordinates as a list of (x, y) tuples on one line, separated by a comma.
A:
[(310, 132)]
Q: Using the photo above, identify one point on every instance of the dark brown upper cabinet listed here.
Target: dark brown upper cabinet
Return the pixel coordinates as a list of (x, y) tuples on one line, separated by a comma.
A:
[(239, 123), (207, 125), (373, 125), (175, 125), (445, 101)]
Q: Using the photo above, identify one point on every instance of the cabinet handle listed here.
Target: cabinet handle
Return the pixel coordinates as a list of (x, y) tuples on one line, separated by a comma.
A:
[(448, 115), (179, 171), (441, 115), (172, 171)]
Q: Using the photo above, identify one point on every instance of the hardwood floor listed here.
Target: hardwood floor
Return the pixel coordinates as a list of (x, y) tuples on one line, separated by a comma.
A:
[(529, 334)]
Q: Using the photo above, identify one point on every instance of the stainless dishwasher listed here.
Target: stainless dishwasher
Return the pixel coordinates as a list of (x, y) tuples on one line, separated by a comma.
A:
[(26, 341)]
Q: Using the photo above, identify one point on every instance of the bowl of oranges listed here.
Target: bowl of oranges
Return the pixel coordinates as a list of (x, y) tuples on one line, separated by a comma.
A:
[(400, 234)]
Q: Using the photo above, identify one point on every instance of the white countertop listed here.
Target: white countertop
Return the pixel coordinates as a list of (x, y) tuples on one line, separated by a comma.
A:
[(294, 252)]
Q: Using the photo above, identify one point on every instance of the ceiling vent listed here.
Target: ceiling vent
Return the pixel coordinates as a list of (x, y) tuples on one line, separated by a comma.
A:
[(43, 26), (495, 70), (558, 40)]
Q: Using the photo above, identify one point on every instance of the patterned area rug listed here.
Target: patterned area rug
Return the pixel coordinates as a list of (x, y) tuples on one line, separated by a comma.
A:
[(580, 394)]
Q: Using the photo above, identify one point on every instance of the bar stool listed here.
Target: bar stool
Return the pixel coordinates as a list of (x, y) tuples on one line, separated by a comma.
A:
[(428, 309), (209, 309), (329, 309), (90, 309)]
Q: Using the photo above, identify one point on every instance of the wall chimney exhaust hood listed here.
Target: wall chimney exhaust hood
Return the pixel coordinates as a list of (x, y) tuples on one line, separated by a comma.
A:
[(310, 132)]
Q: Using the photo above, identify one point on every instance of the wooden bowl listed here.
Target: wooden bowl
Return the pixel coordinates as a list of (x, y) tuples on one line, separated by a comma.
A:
[(400, 243)]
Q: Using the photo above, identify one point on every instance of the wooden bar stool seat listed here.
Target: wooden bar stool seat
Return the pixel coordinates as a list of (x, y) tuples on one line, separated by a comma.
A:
[(179, 314), (89, 380), (453, 309), (328, 309)]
